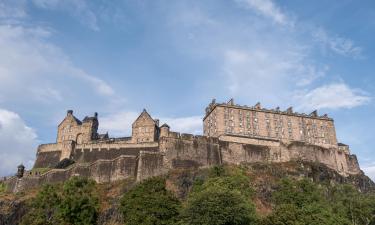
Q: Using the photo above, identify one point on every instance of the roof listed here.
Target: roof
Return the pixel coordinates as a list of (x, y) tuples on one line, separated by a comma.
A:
[(144, 112), (165, 125)]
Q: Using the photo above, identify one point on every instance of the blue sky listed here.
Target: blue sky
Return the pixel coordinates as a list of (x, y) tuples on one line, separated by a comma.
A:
[(173, 57)]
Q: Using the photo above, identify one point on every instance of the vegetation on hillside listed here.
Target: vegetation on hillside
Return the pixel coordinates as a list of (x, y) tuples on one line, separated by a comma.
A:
[(75, 203), (218, 196)]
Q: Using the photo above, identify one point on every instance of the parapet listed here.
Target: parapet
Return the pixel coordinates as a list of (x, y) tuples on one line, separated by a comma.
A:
[(257, 107)]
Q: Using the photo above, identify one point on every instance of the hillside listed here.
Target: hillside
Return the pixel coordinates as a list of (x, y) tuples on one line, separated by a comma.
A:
[(267, 191)]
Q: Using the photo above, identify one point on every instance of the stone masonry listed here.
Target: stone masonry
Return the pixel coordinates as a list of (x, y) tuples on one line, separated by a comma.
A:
[(232, 135)]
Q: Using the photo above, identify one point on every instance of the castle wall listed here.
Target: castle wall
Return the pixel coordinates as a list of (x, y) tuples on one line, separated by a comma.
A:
[(150, 164), (188, 151), (47, 159), (101, 171)]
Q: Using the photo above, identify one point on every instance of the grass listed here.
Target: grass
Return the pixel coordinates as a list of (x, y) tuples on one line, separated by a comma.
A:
[(40, 170), (2, 187)]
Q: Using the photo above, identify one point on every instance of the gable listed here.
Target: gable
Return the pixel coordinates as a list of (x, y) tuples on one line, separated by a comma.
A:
[(70, 120), (144, 119)]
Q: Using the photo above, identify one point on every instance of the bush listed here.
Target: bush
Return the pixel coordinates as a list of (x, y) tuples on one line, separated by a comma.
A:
[(43, 209), (79, 204), (150, 203), (218, 206), (74, 203)]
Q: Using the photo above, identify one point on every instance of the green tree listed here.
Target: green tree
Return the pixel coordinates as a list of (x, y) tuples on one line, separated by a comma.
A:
[(149, 203), (43, 207), (79, 202), (218, 206), (357, 207)]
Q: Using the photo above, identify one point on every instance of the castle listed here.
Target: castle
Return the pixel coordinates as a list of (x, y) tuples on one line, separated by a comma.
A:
[(233, 134)]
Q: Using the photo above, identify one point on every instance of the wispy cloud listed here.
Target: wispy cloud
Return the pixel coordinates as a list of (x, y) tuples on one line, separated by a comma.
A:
[(339, 45), (29, 62), (332, 96), (268, 9), (10, 9), (77, 8), (17, 143)]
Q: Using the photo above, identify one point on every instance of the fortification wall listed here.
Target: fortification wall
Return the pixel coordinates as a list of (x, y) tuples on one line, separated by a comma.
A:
[(47, 159), (189, 151), (150, 164), (101, 171)]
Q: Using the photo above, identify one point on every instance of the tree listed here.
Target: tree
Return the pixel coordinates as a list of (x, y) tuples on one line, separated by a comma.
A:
[(79, 204), (43, 208), (150, 203), (218, 206)]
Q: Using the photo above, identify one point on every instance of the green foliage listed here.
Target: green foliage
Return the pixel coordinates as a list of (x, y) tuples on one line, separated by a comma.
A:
[(43, 209), (75, 203), (298, 193), (2, 187), (221, 199), (357, 207), (150, 203), (79, 203), (310, 214), (218, 206), (306, 203)]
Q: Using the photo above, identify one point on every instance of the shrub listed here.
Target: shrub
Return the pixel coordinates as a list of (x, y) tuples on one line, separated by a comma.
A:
[(218, 206), (79, 202), (43, 208), (149, 203)]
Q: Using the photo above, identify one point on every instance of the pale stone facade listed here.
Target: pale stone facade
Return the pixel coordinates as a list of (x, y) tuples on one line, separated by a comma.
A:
[(256, 122)]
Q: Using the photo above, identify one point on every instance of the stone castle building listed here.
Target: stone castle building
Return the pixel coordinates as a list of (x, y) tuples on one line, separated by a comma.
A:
[(233, 134)]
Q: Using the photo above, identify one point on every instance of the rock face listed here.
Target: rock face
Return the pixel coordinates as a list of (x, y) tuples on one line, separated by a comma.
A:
[(179, 180), (11, 211)]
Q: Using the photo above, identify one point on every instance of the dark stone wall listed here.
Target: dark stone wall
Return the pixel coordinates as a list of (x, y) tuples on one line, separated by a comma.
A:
[(47, 159), (191, 151), (150, 164), (85, 155)]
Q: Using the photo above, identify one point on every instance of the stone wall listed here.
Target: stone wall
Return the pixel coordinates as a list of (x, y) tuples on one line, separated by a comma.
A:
[(47, 159), (188, 151), (101, 171)]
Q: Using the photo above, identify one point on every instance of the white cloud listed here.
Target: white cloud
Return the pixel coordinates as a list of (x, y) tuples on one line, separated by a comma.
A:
[(77, 8), (190, 125), (332, 96), (29, 62), (269, 9), (268, 73), (17, 143), (370, 171), (120, 123), (339, 45)]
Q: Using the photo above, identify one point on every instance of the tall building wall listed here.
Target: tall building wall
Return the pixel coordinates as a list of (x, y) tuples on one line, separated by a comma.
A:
[(229, 119)]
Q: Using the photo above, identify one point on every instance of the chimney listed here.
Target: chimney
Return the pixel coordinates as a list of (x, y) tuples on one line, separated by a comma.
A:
[(231, 102), (69, 112), (96, 115), (258, 106)]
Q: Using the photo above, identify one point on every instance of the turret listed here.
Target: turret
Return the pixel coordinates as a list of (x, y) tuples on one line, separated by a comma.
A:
[(164, 130)]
